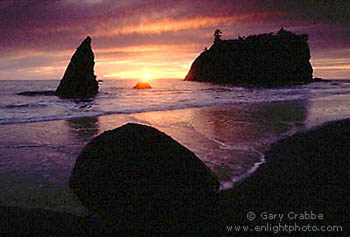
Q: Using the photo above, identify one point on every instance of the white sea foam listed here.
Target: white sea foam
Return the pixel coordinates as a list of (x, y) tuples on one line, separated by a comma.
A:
[(119, 97)]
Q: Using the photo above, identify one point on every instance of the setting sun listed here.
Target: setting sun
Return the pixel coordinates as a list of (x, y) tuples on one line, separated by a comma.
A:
[(145, 77)]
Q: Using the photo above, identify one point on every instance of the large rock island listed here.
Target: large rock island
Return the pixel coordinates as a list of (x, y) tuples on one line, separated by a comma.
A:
[(259, 60), (79, 80)]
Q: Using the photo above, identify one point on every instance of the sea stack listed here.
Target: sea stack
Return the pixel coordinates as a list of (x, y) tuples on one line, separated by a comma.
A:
[(79, 80), (257, 60)]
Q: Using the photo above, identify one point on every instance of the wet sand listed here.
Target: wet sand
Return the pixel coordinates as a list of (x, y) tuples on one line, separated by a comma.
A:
[(304, 173), (37, 159)]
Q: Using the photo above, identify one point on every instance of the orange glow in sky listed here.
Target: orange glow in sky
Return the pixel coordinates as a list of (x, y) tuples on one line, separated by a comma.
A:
[(145, 62), (158, 39)]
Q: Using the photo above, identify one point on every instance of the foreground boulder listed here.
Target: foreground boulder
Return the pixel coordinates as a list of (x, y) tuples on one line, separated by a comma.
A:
[(79, 80), (257, 60), (137, 175)]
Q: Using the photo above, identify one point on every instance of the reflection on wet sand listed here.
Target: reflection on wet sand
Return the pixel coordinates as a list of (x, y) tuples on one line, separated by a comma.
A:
[(326, 109), (232, 124), (84, 128), (230, 139)]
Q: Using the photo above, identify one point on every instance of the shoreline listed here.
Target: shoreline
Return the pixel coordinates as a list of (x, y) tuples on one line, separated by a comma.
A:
[(103, 114), (225, 137), (237, 180), (289, 180), (303, 173)]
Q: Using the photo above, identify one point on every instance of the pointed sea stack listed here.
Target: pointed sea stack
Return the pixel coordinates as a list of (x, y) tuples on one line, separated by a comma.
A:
[(79, 80)]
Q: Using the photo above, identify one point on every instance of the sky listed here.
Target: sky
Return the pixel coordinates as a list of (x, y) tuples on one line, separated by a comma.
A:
[(159, 38)]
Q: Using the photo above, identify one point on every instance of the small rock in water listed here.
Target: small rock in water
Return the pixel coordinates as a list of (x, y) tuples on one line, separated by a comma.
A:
[(142, 85)]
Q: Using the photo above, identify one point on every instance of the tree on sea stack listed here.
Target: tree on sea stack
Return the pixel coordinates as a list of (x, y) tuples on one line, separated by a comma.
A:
[(79, 80), (217, 36)]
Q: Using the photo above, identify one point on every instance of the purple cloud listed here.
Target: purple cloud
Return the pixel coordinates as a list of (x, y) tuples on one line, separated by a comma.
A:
[(34, 27)]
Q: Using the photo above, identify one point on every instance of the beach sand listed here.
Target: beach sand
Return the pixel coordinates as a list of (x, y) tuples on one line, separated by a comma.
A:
[(37, 159)]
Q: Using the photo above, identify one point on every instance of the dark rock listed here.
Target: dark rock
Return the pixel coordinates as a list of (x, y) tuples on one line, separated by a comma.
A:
[(37, 93), (142, 85), (307, 172), (317, 79), (259, 60), (79, 80), (25, 221), (136, 175)]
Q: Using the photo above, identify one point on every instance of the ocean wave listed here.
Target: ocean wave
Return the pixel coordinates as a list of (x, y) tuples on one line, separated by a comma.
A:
[(17, 106), (119, 99), (75, 109), (228, 184)]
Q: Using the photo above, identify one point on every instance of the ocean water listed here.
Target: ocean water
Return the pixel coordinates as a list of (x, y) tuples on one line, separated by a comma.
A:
[(229, 128), (118, 97)]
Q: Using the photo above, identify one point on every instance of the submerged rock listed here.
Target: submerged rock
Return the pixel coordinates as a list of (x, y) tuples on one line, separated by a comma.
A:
[(37, 93), (137, 175), (318, 79), (257, 60), (79, 80), (142, 85)]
